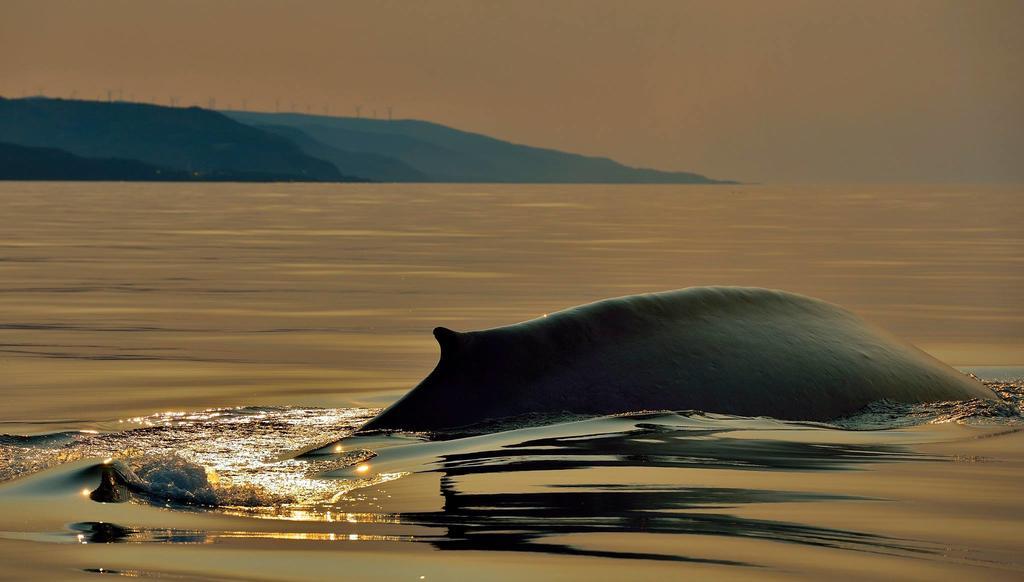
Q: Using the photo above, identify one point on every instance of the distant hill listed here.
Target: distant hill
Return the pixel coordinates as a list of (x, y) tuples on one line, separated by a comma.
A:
[(367, 165), (199, 144), (444, 154), (202, 143), (31, 163)]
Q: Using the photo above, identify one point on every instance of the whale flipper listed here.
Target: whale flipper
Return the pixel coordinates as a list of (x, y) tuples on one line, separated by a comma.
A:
[(732, 350)]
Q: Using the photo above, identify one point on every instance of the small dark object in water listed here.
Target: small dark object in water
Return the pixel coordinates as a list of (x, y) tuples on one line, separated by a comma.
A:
[(112, 487)]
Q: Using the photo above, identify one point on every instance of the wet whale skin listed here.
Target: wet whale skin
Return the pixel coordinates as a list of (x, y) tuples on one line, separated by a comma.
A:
[(742, 351)]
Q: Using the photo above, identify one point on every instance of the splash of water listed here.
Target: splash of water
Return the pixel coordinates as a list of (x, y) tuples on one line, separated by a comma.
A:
[(243, 458), (1008, 408), (219, 457)]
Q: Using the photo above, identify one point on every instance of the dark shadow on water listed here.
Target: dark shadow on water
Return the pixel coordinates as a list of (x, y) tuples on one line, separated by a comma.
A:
[(662, 445), (98, 532), (521, 521), (525, 519)]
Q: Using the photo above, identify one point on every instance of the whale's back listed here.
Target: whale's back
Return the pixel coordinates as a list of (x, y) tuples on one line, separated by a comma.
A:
[(744, 351)]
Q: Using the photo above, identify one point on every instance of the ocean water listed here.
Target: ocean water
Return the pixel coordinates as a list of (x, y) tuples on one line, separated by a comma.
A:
[(121, 300), (288, 461), (299, 476), (197, 357)]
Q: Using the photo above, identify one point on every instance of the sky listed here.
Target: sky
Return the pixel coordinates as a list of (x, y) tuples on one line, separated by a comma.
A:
[(787, 91)]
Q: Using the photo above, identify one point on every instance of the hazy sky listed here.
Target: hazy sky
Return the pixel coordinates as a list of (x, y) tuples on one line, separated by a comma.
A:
[(775, 91)]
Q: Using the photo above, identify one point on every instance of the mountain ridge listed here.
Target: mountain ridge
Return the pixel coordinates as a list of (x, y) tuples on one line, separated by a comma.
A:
[(201, 142), (450, 154), (192, 143)]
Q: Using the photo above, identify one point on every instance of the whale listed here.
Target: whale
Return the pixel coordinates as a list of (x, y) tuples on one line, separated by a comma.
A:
[(730, 350)]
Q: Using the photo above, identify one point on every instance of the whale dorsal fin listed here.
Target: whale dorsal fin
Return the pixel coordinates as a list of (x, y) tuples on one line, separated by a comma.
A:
[(449, 340)]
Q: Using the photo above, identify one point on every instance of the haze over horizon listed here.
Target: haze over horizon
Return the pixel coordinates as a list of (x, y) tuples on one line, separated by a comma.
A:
[(794, 91)]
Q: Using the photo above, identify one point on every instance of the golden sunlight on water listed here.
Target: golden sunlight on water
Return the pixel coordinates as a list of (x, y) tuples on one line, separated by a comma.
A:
[(123, 299)]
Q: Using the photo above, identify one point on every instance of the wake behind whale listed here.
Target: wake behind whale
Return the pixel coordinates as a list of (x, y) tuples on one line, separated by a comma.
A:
[(731, 350)]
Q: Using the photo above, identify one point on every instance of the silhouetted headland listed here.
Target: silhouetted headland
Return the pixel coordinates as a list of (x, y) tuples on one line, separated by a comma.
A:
[(200, 143), (444, 154), (174, 143)]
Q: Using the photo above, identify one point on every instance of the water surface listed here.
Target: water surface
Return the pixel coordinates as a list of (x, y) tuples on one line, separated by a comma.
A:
[(118, 300), (183, 366)]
